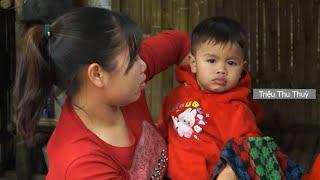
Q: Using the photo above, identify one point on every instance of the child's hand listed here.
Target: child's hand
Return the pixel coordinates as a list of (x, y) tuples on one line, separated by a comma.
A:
[(227, 174)]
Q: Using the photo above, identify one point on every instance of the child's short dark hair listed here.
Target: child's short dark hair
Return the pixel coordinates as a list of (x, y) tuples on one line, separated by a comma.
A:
[(218, 29)]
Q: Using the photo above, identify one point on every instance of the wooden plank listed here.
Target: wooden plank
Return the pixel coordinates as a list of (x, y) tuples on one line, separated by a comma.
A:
[(297, 60), (167, 23), (204, 11), (283, 61), (125, 7), (180, 17), (115, 5), (242, 14), (314, 73), (318, 63), (227, 6), (167, 14), (225, 10), (236, 9), (146, 26), (264, 41), (22, 152), (246, 25), (212, 4), (261, 43), (269, 55), (136, 11), (194, 14), (276, 106), (156, 16), (146, 20), (252, 60), (289, 15), (271, 47), (146, 16), (299, 43), (180, 14), (308, 66), (198, 10), (219, 8), (155, 84)]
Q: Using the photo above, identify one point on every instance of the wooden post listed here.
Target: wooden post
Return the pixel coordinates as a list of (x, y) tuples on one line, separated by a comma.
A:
[(23, 162)]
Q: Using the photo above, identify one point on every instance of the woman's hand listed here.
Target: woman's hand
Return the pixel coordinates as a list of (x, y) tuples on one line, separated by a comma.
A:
[(227, 174)]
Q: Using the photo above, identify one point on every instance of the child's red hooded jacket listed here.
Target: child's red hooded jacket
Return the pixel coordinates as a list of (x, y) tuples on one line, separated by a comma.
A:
[(197, 124), (315, 171)]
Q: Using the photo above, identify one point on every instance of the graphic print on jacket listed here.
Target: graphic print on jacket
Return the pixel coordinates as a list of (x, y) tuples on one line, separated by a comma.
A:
[(188, 119)]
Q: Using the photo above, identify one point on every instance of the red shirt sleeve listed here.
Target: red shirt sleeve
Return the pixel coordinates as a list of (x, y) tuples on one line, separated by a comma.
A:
[(93, 167), (165, 49)]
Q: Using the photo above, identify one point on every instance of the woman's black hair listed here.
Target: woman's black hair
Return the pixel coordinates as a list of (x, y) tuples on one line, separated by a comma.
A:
[(78, 38)]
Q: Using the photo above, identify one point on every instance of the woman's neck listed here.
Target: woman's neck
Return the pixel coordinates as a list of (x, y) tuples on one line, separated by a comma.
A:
[(105, 121), (95, 112)]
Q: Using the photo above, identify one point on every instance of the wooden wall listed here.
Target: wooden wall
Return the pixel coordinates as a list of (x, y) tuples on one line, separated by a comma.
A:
[(7, 55), (284, 46)]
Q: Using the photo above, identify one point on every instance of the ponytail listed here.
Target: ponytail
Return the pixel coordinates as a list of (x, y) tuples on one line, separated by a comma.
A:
[(33, 82)]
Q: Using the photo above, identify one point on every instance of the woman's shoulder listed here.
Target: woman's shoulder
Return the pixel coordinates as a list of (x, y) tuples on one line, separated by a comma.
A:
[(81, 158), (94, 166)]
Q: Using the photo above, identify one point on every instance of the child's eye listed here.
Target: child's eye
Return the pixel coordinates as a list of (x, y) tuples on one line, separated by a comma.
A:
[(211, 60), (232, 63)]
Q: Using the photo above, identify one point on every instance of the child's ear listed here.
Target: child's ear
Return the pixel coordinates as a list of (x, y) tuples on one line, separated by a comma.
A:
[(95, 75), (193, 63), (185, 60)]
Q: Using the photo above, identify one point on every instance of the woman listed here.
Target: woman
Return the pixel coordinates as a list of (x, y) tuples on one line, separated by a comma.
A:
[(105, 130)]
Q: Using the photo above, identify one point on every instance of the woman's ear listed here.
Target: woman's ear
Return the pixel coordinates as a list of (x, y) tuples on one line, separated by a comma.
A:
[(96, 75), (193, 63)]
